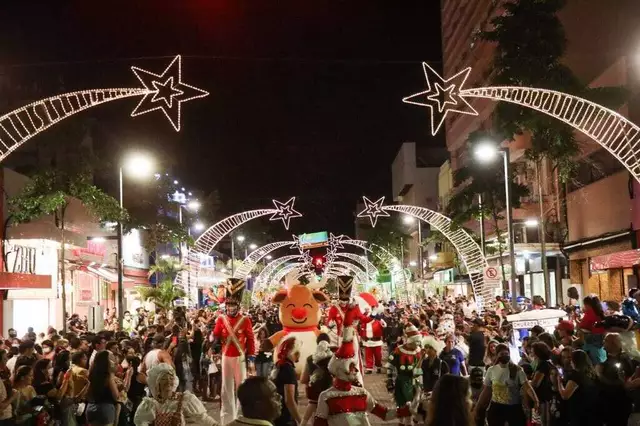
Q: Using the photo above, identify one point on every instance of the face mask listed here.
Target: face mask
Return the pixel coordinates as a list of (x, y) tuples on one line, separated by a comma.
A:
[(504, 359), (46, 350), (124, 364)]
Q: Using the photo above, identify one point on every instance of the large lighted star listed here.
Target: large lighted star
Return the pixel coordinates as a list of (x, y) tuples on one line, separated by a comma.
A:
[(335, 242), (373, 210), (306, 258), (439, 94), (165, 92), (285, 211)]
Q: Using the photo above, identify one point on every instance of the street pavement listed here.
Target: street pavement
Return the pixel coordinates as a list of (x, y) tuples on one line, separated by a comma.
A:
[(374, 383)]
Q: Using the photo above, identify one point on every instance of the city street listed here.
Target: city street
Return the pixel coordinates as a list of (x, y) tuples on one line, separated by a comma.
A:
[(374, 383)]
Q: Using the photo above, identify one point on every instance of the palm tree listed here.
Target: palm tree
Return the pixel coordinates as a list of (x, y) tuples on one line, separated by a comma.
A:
[(163, 296)]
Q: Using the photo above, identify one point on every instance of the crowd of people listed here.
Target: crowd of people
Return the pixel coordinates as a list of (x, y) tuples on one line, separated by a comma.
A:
[(445, 365)]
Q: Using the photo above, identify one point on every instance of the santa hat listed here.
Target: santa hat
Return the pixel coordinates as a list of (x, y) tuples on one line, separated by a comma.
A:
[(413, 335), (433, 343), (345, 356)]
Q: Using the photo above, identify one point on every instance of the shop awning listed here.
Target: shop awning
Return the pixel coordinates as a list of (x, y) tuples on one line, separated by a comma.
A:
[(621, 259)]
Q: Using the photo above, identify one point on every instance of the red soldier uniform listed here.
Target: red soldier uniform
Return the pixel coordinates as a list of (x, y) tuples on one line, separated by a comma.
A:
[(236, 335), (347, 315)]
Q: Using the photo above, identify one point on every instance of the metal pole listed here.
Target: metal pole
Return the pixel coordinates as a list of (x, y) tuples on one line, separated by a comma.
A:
[(120, 303), (482, 243), (512, 254), (541, 232), (420, 265), (232, 255), (180, 243)]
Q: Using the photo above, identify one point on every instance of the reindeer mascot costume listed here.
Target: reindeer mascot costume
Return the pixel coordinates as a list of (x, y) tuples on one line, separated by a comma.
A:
[(346, 314), (345, 404), (235, 333)]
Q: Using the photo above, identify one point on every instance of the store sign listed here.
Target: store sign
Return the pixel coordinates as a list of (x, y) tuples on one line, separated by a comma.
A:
[(312, 240), (544, 323), (21, 259), (133, 253)]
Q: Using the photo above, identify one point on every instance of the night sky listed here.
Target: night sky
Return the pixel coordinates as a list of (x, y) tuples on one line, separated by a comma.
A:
[(305, 95)]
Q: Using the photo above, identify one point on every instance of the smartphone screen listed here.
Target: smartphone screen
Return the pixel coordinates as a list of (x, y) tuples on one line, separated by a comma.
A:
[(174, 340)]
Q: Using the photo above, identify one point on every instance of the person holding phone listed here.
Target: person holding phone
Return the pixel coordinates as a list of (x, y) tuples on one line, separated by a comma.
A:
[(157, 355)]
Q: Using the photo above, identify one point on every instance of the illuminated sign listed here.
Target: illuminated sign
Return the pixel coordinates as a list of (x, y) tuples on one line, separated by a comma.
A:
[(314, 239)]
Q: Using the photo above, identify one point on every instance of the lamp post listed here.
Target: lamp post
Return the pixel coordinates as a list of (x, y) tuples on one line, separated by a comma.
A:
[(240, 239), (192, 206), (137, 165), (410, 220), (486, 152)]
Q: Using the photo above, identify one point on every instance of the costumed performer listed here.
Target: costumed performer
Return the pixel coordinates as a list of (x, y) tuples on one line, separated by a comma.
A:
[(372, 333), (235, 333), (404, 372), (347, 314), (344, 403), (299, 315), (166, 406)]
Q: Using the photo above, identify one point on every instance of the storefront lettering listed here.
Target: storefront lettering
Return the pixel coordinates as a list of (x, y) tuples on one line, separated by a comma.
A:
[(24, 261)]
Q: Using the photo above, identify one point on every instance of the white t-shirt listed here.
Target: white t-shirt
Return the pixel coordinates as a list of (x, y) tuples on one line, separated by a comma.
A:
[(11, 364), (504, 389)]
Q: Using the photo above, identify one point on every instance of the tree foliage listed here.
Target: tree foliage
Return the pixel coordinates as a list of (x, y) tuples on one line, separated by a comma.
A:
[(390, 239), (530, 55), (165, 293)]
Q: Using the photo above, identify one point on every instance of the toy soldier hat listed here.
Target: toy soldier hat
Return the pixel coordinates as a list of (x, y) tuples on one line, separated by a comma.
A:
[(345, 283), (235, 288)]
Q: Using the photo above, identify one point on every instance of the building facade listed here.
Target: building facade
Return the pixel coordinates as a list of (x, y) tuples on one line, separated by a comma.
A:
[(601, 202)]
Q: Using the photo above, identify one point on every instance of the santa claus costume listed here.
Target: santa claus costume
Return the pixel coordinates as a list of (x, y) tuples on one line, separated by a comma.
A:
[(345, 404), (371, 334), (235, 333), (404, 373), (347, 314)]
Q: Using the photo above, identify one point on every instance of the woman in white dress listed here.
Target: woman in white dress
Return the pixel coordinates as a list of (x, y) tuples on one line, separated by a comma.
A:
[(168, 407)]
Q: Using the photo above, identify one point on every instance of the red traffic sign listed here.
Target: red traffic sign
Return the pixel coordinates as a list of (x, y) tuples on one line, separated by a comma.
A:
[(490, 273)]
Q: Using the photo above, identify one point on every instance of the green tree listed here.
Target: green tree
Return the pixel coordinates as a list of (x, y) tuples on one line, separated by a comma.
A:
[(487, 181), (390, 239), (49, 193), (165, 293)]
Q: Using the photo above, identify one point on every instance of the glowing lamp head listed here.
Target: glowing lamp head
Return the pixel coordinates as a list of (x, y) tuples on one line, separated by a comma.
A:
[(413, 263), (531, 223), (486, 151), (193, 205), (240, 238), (408, 219), (269, 257), (138, 165), (198, 226), (253, 246)]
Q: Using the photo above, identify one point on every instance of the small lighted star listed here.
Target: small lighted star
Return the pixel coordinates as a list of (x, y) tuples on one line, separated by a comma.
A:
[(335, 242), (373, 210), (165, 92), (306, 258), (285, 211), (440, 94), (296, 243)]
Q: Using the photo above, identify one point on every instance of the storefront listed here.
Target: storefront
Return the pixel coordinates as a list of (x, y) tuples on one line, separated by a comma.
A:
[(31, 280)]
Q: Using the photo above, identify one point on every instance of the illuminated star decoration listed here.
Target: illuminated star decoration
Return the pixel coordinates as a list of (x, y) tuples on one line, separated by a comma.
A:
[(373, 210), (335, 242), (306, 258), (285, 211), (296, 244), (165, 92), (442, 96)]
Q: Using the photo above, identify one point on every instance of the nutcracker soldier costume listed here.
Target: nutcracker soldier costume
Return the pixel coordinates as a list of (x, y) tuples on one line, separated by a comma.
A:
[(404, 372), (235, 333), (344, 403), (371, 334), (347, 314)]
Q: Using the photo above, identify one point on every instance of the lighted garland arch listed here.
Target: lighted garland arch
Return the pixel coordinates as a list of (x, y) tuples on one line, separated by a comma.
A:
[(611, 130), (280, 274), (467, 248), (212, 236), (369, 267), (255, 256), (264, 277)]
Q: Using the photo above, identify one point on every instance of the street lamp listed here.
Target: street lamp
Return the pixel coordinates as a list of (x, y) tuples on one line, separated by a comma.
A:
[(413, 263), (408, 220), (240, 238), (253, 246), (269, 257), (137, 165), (531, 223), (193, 205), (198, 226), (486, 152)]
